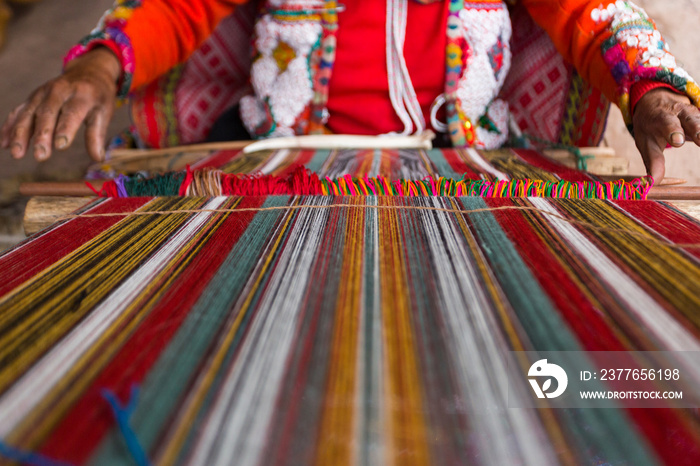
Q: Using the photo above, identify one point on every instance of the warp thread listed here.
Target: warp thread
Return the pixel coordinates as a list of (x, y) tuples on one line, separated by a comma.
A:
[(122, 415), (582, 223), (212, 182), (28, 457), (527, 140)]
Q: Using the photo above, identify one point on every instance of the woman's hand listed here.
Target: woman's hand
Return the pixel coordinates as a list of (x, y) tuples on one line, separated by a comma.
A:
[(663, 117), (85, 92)]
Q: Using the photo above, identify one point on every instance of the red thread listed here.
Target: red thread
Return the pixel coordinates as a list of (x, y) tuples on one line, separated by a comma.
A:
[(187, 182), (109, 189)]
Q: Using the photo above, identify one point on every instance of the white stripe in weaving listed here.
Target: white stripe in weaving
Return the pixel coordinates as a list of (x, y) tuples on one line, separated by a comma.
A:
[(275, 161), (484, 165), (377, 423), (480, 348), (669, 332)]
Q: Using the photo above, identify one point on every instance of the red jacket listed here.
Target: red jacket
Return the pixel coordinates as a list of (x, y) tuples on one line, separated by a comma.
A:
[(152, 36)]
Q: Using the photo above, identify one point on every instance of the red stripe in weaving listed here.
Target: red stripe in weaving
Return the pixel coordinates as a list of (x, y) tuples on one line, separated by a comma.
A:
[(664, 428), (459, 165), (217, 159), (83, 427), (303, 157), (666, 222), (59, 242), (594, 333), (539, 160)]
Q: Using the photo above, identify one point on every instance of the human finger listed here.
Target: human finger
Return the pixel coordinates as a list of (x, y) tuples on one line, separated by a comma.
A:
[(670, 127), (690, 120), (73, 114), (8, 124), (21, 130), (46, 118), (652, 150), (96, 132)]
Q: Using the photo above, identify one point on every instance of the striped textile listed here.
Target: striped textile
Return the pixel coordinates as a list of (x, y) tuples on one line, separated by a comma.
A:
[(340, 330)]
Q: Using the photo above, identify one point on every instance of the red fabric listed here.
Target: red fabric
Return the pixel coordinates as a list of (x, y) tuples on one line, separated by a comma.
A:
[(640, 89), (577, 38), (359, 81), (164, 33)]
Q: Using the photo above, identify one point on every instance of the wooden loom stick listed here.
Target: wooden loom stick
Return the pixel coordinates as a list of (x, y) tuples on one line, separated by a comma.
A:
[(57, 188), (344, 141), (674, 193), (320, 141), (136, 154)]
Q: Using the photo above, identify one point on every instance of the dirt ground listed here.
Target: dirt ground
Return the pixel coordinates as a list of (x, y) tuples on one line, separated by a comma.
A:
[(40, 33)]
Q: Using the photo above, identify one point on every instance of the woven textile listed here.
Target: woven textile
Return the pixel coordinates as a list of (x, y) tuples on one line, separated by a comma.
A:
[(334, 330)]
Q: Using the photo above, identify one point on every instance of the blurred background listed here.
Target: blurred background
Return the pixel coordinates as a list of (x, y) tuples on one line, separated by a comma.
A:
[(37, 33)]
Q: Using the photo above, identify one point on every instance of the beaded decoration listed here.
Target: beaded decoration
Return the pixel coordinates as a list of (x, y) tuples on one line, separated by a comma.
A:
[(293, 43), (636, 50), (483, 30)]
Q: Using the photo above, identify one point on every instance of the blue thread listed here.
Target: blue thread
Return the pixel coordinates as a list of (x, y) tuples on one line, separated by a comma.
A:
[(28, 457), (122, 415)]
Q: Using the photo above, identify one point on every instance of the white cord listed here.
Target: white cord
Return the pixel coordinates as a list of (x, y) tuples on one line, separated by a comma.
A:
[(437, 125), (401, 92)]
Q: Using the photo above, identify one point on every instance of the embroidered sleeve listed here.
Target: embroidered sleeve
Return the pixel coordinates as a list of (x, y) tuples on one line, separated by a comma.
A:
[(110, 33), (613, 44), (152, 36)]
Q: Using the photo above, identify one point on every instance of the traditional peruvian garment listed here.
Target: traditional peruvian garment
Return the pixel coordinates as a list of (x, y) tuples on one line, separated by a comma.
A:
[(549, 66)]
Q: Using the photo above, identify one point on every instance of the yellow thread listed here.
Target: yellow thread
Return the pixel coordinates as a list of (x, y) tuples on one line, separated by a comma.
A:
[(386, 207)]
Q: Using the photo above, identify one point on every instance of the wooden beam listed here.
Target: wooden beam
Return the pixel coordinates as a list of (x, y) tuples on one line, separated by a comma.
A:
[(56, 188), (140, 154), (43, 211), (674, 193)]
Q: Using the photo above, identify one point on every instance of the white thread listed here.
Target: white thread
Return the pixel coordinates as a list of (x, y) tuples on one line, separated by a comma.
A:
[(401, 92), (437, 125)]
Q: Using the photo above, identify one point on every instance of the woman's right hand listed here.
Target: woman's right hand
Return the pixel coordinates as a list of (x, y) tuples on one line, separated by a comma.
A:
[(85, 92)]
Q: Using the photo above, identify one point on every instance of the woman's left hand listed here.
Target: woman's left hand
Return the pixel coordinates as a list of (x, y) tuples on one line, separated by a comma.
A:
[(662, 117)]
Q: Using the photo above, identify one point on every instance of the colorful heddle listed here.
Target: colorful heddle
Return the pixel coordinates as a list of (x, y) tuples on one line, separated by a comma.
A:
[(439, 172), (210, 182)]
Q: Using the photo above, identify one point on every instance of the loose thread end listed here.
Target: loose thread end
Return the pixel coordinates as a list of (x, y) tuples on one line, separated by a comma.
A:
[(122, 414)]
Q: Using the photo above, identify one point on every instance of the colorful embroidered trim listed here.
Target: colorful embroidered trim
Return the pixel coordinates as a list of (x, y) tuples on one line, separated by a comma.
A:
[(636, 51), (109, 32), (212, 182)]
